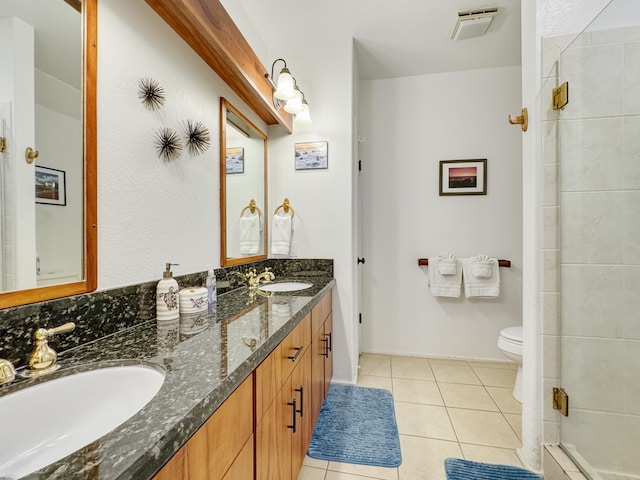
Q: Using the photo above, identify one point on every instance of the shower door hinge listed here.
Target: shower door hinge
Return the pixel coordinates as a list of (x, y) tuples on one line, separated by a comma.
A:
[(560, 96), (561, 401)]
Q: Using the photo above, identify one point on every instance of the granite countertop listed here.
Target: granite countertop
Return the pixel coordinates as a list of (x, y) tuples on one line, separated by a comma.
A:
[(202, 370)]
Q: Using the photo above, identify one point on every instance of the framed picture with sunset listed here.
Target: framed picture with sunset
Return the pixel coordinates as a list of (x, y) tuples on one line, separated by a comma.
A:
[(463, 177)]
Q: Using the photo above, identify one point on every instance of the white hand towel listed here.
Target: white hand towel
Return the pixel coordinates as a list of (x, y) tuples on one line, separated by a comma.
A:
[(482, 266), (475, 286), (281, 234), (444, 285), (250, 234), (447, 264)]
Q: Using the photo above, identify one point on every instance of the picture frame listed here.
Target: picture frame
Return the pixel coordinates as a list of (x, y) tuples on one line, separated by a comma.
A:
[(235, 160), (463, 177), (312, 155), (50, 186)]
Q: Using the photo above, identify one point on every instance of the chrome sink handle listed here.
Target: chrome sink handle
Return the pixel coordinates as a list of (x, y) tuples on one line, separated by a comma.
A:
[(7, 371), (43, 358)]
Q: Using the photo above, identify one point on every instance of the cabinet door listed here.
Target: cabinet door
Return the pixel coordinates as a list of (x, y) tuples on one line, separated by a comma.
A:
[(273, 438), (242, 466), (318, 349), (214, 447), (328, 359), (301, 393)]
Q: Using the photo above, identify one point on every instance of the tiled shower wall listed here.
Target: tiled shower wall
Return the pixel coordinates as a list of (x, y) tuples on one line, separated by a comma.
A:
[(592, 249)]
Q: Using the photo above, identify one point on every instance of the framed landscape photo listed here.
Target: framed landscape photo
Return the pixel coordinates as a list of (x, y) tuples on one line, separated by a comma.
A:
[(235, 160), (463, 177), (312, 155), (51, 186)]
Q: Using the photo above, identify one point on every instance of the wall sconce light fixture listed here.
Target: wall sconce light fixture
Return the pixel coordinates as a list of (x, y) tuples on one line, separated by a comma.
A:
[(287, 92)]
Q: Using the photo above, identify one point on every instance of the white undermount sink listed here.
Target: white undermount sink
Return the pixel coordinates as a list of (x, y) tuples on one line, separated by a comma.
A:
[(44, 423), (285, 286)]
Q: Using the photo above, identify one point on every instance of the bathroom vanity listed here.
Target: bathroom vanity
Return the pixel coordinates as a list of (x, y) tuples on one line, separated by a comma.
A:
[(263, 353)]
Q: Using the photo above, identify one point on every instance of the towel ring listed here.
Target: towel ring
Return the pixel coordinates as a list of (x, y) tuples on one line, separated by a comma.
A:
[(286, 207), (252, 207)]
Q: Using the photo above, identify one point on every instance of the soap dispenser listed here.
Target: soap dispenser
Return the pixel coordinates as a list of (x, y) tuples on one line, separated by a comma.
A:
[(167, 307)]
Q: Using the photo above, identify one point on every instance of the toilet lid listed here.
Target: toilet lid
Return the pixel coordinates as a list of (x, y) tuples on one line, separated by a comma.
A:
[(512, 333)]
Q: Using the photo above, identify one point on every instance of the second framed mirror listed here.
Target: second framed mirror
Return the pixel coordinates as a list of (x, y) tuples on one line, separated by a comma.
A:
[(243, 188)]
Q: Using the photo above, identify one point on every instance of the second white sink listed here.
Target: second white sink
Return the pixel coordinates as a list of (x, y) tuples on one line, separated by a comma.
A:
[(44, 423), (285, 286)]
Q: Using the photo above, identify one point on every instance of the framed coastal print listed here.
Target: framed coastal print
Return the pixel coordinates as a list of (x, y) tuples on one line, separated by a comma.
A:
[(51, 188), (235, 160), (312, 155), (463, 177)]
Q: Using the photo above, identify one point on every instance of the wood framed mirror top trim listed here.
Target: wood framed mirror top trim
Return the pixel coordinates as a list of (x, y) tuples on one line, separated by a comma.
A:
[(224, 260), (22, 297)]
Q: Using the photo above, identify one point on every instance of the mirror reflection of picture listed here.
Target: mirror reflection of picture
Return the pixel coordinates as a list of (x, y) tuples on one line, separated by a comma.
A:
[(50, 186), (312, 155), (235, 160), (463, 177)]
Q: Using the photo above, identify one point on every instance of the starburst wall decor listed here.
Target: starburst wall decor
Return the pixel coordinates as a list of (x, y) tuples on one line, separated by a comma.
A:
[(168, 144), (197, 137), (151, 93)]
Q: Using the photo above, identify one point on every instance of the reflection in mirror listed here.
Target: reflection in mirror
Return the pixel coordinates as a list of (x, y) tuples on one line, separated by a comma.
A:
[(243, 188), (47, 206)]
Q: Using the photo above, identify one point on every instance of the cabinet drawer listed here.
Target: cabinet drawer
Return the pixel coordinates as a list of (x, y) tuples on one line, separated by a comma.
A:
[(320, 313), (293, 346)]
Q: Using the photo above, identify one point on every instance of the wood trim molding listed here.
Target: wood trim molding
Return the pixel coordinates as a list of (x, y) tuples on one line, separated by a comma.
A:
[(209, 30)]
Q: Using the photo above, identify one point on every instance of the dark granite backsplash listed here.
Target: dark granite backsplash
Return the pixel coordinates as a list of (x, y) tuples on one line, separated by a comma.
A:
[(103, 313)]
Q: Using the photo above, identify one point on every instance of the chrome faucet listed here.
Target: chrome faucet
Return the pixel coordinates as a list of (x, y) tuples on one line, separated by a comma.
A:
[(7, 371), (43, 358), (254, 279)]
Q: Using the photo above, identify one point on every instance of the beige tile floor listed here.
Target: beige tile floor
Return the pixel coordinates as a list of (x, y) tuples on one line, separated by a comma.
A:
[(444, 408)]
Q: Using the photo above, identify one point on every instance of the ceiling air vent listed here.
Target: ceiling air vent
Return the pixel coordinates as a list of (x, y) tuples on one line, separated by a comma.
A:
[(473, 23)]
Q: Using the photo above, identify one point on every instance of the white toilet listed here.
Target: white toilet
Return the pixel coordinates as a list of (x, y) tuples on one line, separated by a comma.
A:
[(510, 342)]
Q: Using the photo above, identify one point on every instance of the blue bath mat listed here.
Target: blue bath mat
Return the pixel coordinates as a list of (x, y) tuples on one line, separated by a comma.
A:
[(459, 469), (357, 425)]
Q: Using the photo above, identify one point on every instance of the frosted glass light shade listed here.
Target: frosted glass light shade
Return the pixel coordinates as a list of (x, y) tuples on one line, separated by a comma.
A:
[(284, 89), (294, 105), (304, 117)]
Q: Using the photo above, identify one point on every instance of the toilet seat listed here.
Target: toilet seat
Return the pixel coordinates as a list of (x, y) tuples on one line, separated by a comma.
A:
[(510, 340)]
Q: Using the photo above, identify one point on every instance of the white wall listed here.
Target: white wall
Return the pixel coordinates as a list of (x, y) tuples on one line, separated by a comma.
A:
[(410, 124), (150, 211)]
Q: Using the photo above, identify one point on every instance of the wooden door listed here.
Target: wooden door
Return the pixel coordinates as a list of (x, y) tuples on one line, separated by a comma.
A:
[(328, 359)]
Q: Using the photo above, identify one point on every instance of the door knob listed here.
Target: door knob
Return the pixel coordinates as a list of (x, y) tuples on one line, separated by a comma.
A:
[(361, 260)]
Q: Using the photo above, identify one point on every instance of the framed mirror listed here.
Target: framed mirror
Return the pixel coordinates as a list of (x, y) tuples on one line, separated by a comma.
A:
[(48, 206), (243, 188)]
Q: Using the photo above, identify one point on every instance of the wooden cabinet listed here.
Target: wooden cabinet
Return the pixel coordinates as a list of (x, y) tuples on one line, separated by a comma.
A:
[(286, 392), (222, 441), (321, 352), (283, 387)]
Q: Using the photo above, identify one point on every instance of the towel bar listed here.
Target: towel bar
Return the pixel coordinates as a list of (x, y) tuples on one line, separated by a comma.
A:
[(422, 262)]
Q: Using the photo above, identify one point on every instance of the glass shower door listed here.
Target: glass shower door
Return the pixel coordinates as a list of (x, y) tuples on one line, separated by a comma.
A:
[(598, 143)]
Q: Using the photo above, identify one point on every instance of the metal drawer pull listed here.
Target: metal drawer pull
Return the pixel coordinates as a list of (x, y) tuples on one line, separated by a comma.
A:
[(330, 335), (301, 391), (298, 352), (326, 347), (293, 404)]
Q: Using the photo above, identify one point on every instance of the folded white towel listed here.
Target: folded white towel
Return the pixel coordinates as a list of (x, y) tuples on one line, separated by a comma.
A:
[(250, 227), (447, 264), (281, 234), (475, 286), (482, 266), (444, 285)]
